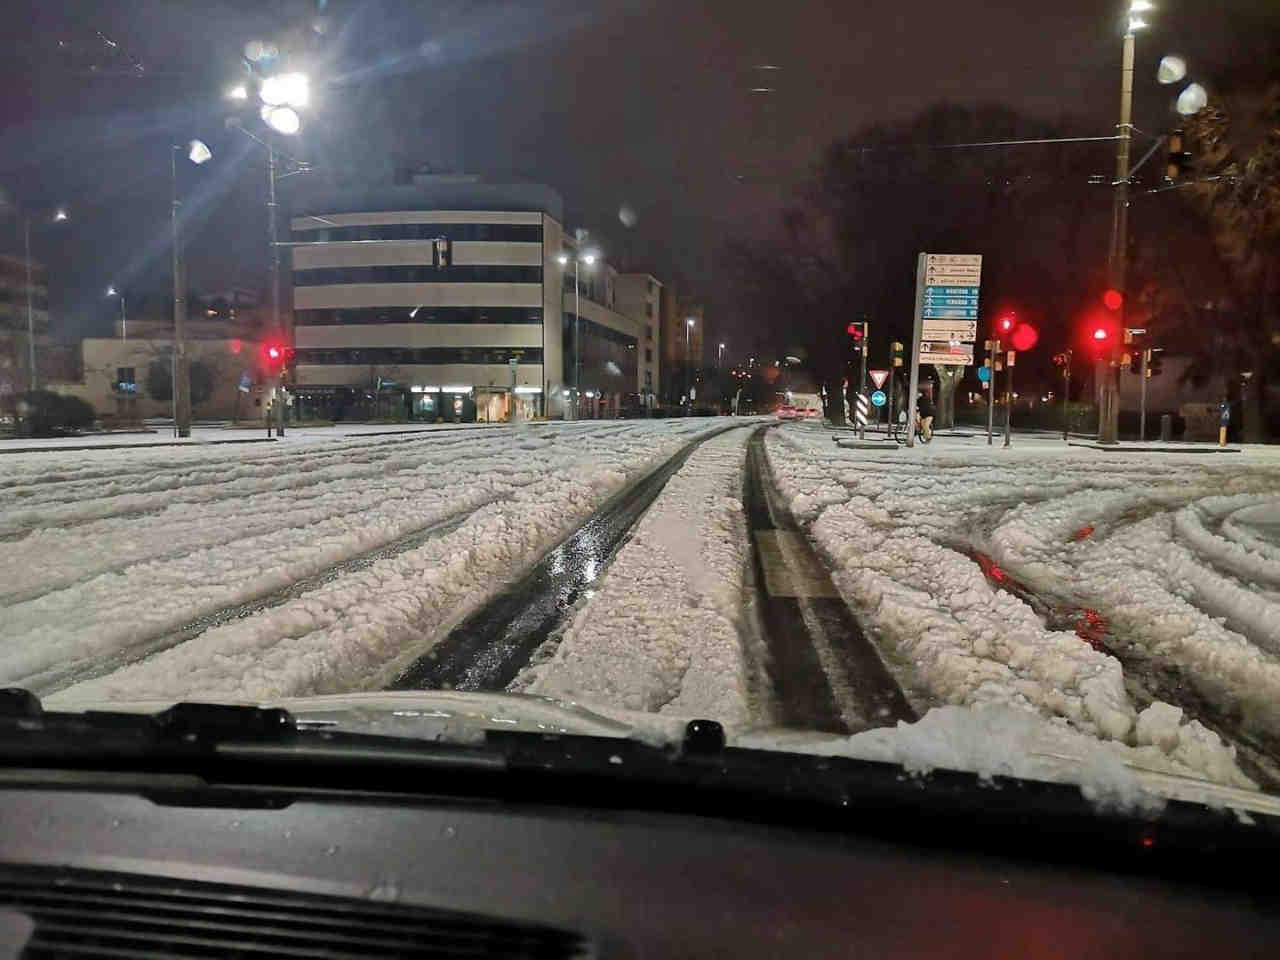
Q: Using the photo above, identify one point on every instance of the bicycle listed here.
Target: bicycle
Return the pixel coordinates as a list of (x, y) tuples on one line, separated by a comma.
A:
[(900, 435)]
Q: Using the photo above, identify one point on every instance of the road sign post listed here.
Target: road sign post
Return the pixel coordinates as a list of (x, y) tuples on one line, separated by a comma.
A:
[(993, 351), (1008, 400), (922, 274), (946, 317)]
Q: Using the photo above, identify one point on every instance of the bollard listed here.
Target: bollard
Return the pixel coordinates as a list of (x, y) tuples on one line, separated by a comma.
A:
[(1166, 428)]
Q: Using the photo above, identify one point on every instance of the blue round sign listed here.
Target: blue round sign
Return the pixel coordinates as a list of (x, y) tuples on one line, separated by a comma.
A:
[(984, 374), (878, 398)]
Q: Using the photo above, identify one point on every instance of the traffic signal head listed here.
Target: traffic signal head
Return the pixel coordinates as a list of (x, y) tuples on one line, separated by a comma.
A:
[(1155, 363), (1101, 334), (1024, 337), (1113, 299), (1179, 160), (1006, 323), (897, 350)]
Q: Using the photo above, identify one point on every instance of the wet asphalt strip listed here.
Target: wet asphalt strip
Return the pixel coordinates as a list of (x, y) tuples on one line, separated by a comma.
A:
[(488, 649), (826, 675)]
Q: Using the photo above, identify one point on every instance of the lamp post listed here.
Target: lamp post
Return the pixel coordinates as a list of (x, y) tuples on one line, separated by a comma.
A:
[(719, 356), (1109, 414), (688, 359), (197, 153), (59, 216), (589, 259), (124, 317), (281, 96)]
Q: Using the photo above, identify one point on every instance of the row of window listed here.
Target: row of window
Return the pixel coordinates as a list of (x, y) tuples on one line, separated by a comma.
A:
[(591, 328), (469, 273), (495, 232), (327, 318), (425, 355)]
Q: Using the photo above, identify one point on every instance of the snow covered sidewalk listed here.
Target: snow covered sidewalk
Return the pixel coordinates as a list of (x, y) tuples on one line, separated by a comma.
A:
[(661, 631), (902, 528)]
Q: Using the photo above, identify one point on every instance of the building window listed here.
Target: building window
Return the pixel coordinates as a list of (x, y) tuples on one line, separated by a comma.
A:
[(648, 331), (425, 273), (648, 309), (650, 283), (126, 380), (497, 232), (648, 355), (648, 379), (422, 314), (395, 356)]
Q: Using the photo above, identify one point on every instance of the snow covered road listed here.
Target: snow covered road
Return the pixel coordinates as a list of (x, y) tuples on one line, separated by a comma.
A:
[(1167, 557), (107, 551)]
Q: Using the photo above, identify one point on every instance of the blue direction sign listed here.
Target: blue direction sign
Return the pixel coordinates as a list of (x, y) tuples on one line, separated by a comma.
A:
[(878, 398), (984, 374), (950, 303)]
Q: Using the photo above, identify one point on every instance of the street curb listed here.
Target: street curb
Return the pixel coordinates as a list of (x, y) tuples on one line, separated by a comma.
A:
[(135, 446), (1119, 449)]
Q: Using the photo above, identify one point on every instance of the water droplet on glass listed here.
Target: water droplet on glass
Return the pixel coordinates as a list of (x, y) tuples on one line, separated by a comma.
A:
[(330, 850), (235, 824), (449, 833), (115, 824)]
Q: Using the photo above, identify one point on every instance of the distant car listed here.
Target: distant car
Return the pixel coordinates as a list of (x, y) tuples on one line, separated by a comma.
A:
[(788, 412)]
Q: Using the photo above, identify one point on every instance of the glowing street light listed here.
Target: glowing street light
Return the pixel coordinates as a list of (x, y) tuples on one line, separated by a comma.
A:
[(286, 90), (124, 317), (60, 215), (198, 152), (588, 258), (284, 120), (238, 92)]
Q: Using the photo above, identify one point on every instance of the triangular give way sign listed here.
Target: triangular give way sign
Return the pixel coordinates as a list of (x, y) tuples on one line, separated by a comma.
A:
[(878, 377)]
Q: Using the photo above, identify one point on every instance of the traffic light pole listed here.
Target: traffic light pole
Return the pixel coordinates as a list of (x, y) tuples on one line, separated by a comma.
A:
[(862, 376), (1008, 399), (1066, 396), (1142, 402), (991, 388)]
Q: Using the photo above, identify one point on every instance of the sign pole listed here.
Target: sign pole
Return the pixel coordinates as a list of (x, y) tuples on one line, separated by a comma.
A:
[(862, 375), (1008, 400), (991, 386), (1142, 416), (917, 325), (1066, 396)]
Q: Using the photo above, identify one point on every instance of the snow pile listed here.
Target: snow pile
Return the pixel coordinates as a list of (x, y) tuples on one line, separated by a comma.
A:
[(506, 503), (900, 543), (660, 631)]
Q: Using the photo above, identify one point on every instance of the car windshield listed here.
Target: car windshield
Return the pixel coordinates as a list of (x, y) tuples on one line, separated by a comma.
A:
[(901, 386)]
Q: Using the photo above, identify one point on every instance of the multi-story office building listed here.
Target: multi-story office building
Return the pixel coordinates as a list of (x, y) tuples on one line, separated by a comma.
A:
[(15, 368), (639, 296), (446, 298)]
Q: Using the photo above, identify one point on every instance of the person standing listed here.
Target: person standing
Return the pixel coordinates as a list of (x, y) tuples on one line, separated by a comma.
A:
[(925, 412), (1224, 420)]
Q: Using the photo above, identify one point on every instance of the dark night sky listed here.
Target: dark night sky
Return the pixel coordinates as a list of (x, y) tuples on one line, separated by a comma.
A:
[(609, 101)]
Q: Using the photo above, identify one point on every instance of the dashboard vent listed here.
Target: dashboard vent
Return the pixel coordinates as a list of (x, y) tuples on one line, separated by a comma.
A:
[(90, 914)]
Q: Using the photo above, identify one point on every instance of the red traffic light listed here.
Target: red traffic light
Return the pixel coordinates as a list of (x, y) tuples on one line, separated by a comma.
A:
[(1006, 323), (1101, 333), (854, 330), (273, 352), (1025, 336), (1113, 299)]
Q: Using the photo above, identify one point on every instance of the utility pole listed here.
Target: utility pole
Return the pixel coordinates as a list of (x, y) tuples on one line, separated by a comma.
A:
[(31, 324), (1109, 414), (286, 335), (181, 398)]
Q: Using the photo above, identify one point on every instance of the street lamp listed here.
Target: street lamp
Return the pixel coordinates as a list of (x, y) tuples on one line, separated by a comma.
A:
[(719, 356), (197, 152), (1108, 416), (124, 318), (588, 258), (688, 356), (58, 216), (281, 96)]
